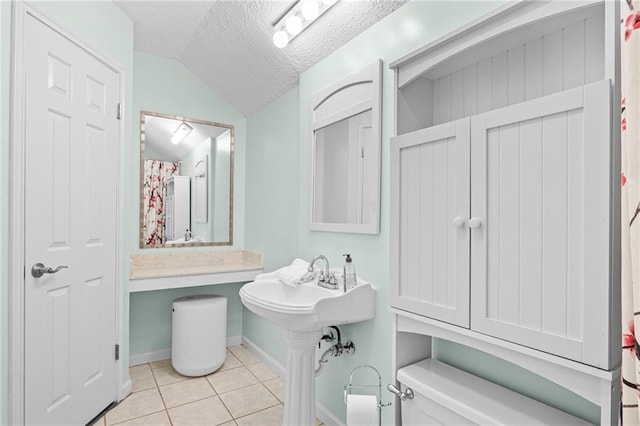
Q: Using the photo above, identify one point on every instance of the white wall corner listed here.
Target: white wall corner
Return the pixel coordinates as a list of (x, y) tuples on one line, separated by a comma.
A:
[(125, 390)]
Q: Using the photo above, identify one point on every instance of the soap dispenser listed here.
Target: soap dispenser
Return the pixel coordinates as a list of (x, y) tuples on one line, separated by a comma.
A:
[(349, 271)]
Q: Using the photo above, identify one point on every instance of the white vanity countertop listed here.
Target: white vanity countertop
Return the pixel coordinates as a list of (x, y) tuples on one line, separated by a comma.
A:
[(156, 271)]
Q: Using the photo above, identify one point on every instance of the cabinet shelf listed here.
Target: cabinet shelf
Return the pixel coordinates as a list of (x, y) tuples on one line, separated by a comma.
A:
[(501, 62)]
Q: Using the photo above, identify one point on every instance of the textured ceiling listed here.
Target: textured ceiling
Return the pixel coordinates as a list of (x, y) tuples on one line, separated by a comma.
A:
[(228, 43)]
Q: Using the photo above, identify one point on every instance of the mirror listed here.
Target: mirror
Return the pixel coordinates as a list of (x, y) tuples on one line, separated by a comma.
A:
[(345, 154), (344, 176), (186, 182)]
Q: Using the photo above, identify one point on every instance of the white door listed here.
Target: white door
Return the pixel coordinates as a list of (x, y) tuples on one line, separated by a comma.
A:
[(429, 216), (540, 193), (71, 144)]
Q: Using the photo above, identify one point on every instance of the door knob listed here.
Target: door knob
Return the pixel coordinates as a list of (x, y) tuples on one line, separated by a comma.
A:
[(39, 270), (458, 221), (475, 223)]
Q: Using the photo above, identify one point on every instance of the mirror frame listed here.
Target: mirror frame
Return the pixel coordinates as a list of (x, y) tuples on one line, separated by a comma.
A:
[(345, 98), (231, 128)]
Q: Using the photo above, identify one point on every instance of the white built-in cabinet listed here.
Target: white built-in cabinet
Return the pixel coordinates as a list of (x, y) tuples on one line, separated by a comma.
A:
[(504, 204)]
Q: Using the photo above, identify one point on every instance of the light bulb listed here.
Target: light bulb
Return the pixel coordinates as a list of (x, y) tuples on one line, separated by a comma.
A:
[(294, 25), (310, 10), (280, 39)]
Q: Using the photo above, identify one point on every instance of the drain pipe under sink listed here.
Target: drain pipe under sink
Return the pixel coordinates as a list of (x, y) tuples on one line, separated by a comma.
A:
[(335, 350), (322, 361)]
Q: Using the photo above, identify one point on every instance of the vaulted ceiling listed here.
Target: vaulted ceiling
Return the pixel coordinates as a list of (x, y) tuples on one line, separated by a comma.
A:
[(228, 43)]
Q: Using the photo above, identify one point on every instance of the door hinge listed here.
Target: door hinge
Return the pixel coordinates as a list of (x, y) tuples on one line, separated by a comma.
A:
[(117, 352), (119, 111)]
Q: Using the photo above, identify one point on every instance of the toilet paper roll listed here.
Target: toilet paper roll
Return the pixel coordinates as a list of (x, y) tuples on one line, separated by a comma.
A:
[(362, 410)]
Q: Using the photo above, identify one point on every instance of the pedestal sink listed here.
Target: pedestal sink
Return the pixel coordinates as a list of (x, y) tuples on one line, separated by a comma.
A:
[(301, 312)]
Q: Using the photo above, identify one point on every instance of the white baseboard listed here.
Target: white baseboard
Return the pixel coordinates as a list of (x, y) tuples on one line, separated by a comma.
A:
[(326, 416), (322, 413), (147, 357), (264, 357), (234, 340)]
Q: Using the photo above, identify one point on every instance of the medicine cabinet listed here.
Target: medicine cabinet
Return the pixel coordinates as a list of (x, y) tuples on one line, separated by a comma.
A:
[(345, 154)]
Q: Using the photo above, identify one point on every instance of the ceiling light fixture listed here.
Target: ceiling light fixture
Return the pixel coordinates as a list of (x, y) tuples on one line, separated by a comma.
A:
[(299, 17), (181, 132)]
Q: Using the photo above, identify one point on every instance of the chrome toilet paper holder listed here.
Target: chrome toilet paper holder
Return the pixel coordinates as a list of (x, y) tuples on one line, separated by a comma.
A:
[(377, 388)]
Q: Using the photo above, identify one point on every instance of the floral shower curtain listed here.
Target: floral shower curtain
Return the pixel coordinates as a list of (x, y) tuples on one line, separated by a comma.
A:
[(156, 174), (630, 181)]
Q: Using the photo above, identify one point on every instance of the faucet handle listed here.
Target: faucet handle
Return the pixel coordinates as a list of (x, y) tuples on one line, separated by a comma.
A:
[(333, 279)]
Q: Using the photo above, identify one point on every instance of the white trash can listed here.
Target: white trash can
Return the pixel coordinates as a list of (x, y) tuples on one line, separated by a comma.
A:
[(199, 334)]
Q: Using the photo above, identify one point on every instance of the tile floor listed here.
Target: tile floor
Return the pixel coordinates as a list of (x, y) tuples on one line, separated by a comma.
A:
[(243, 392)]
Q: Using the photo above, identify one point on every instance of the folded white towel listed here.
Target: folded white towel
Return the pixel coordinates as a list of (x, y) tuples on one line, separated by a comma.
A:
[(290, 275), (293, 273)]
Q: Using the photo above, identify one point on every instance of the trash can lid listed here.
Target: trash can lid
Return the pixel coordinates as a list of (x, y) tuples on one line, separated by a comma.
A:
[(200, 299)]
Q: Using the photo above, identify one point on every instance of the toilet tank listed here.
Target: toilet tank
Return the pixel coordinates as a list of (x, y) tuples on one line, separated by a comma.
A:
[(444, 395)]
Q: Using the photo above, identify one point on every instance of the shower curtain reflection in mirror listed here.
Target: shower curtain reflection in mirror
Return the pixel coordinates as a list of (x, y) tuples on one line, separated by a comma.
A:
[(156, 173)]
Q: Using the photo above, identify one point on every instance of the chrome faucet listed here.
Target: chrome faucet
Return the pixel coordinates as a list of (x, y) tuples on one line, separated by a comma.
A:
[(325, 279)]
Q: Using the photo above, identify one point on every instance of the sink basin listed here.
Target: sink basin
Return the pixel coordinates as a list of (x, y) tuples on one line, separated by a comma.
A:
[(301, 311), (308, 306)]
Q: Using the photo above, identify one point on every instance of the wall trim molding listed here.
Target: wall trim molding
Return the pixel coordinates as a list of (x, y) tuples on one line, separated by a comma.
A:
[(147, 357), (264, 357), (162, 354)]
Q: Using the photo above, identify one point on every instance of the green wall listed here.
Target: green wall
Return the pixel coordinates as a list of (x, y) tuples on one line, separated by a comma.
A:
[(150, 315), (166, 86), (272, 180), (408, 28)]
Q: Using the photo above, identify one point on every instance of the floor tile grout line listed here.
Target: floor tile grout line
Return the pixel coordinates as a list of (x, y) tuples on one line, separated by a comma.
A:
[(132, 418), (162, 398), (216, 394), (269, 389), (233, 419), (259, 411), (253, 412), (191, 402)]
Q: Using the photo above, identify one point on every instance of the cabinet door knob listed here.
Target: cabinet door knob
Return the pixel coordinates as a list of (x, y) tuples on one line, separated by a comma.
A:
[(458, 222), (475, 223)]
